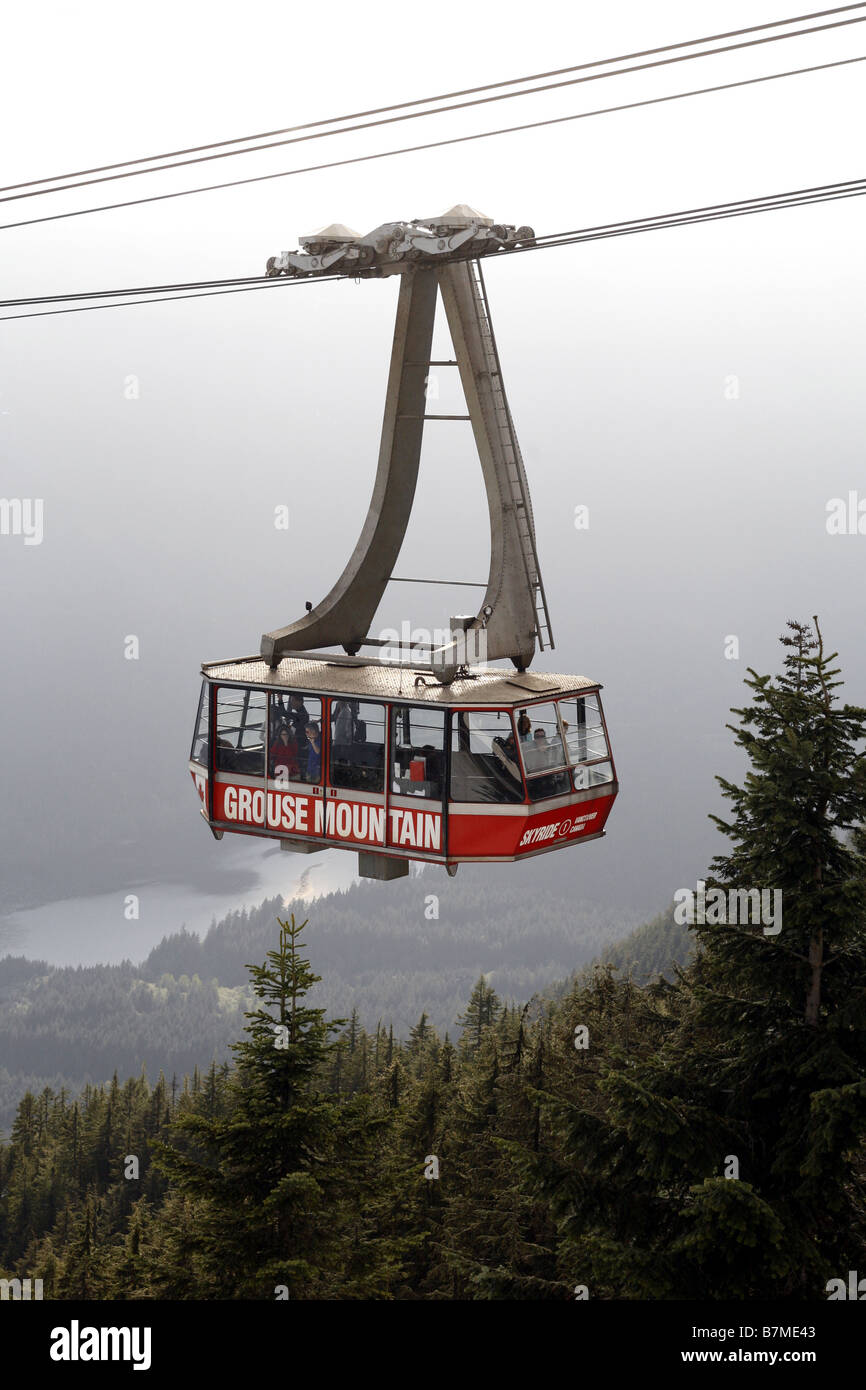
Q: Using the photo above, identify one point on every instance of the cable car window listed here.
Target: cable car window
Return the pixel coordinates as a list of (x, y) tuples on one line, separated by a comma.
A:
[(484, 761), (543, 752), (583, 729), (592, 775), (540, 740), (417, 751), (358, 745), (546, 784), (295, 750), (241, 728), (202, 727)]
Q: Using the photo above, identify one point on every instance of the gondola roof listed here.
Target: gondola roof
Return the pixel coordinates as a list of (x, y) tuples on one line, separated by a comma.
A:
[(361, 678)]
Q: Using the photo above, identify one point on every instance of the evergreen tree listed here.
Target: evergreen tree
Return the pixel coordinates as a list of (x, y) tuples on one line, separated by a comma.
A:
[(266, 1170), (716, 1155), (792, 1002), (84, 1272), (482, 1011), (127, 1274), (415, 1100), (171, 1253)]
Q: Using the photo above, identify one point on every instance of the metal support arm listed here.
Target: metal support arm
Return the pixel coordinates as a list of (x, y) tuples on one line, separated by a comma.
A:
[(513, 612), (343, 618)]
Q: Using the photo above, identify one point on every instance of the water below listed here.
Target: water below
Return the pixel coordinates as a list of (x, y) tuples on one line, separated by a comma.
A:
[(97, 930)]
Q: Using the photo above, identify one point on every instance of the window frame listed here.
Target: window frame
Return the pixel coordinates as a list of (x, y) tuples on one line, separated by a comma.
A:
[(242, 728), (568, 767), (553, 767), (455, 712), (537, 775), (394, 707), (606, 757), (385, 705), (203, 700), (300, 782)]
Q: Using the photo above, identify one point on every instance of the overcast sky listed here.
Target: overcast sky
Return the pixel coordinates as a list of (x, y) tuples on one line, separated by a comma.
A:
[(700, 390)]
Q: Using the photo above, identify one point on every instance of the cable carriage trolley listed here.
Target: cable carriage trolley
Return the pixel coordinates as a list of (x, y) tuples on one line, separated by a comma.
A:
[(435, 756)]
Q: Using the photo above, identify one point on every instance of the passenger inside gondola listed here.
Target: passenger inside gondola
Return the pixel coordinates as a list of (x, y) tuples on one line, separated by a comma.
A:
[(344, 721), (296, 712), (505, 750), (224, 755), (544, 756), (537, 753), (279, 717), (484, 763), (313, 739), (283, 759), (298, 716)]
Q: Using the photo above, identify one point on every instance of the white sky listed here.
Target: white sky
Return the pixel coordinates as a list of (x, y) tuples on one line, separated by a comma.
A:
[(90, 84)]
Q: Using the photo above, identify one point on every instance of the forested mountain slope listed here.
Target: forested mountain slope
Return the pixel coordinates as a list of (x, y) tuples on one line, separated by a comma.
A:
[(379, 948)]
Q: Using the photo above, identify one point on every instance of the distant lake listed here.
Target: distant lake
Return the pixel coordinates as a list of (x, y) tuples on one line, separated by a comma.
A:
[(94, 930)]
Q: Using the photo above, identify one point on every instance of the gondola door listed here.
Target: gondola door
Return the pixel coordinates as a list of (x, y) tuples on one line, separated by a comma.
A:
[(416, 780), (295, 791), (239, 749), (354, 800)]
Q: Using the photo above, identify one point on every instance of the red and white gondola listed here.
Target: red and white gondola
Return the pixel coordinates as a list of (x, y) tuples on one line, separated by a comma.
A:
[(498, 765)]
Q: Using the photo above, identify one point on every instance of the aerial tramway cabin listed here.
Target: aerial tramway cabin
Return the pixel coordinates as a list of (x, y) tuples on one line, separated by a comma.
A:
[(449, 760), (498, 765)]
